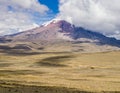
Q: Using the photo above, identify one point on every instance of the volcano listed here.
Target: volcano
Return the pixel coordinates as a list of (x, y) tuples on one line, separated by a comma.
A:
[(59, 35)]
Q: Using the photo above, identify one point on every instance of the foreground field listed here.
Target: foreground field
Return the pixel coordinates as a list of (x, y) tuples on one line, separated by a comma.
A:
[(60, 73)]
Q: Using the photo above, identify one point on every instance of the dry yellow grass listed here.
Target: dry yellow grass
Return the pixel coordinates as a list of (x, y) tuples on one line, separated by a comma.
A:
[(94, 72)]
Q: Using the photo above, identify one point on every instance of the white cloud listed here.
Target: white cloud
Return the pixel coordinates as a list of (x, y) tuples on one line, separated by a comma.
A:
[(19, 15), (97, 15)]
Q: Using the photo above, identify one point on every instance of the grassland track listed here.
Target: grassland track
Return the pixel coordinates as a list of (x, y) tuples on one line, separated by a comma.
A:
[(14, 87)]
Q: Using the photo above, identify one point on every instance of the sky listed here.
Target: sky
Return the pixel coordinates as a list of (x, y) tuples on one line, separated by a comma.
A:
[(97, 15), (51, 4)]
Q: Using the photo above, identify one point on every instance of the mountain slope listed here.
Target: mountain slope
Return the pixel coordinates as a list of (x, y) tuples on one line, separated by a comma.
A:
[(61, 33)]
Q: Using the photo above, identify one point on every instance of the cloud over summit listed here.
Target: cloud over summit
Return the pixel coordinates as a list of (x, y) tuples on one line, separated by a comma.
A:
[(97, 15)]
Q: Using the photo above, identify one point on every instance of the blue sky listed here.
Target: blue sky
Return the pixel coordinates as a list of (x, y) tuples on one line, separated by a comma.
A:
[(52, 4)]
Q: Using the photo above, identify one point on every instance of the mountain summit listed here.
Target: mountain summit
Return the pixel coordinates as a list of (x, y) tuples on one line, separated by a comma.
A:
[(62, 30), (58, 32), (51, 30)]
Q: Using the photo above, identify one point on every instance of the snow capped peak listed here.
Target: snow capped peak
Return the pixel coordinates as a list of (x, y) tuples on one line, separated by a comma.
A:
[(51, 21), (62, 24), (46, 23), (56, 20)]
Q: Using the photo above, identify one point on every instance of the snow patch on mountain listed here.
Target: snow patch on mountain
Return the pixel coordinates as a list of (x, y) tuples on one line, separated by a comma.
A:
[(51, 21)]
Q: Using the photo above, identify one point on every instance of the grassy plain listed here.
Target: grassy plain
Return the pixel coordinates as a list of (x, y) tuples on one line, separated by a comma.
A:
[(53, 72)]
